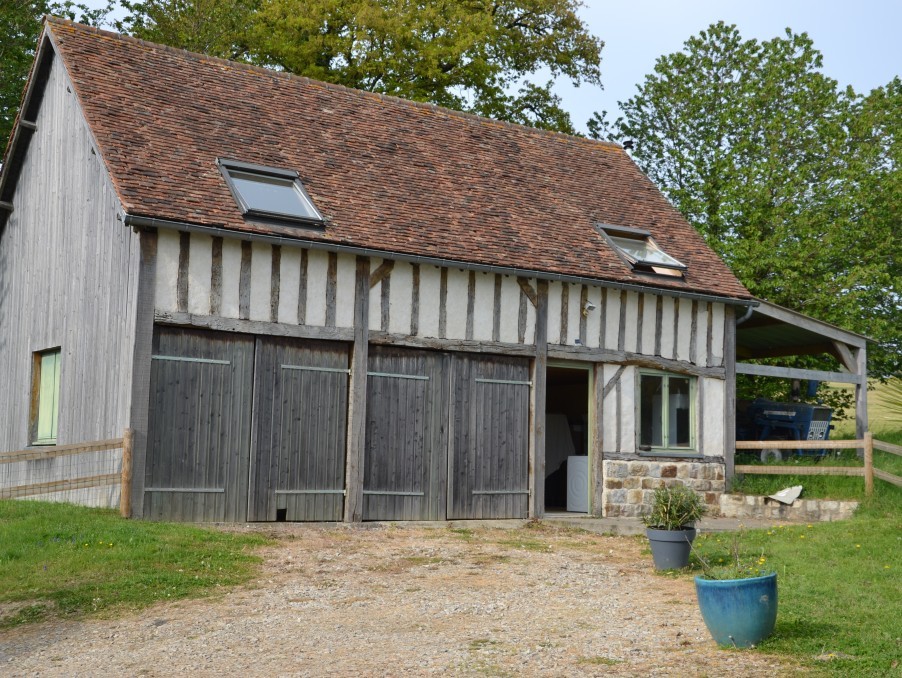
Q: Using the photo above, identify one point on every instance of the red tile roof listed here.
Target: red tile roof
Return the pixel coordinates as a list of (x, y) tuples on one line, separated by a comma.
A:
[(388, 174)]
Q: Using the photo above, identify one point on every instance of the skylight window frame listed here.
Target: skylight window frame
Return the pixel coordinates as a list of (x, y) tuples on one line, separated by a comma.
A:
[(670, 268), (227, 167)]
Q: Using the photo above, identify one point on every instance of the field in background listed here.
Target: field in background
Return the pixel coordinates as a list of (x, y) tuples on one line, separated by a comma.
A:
[(884, 410)]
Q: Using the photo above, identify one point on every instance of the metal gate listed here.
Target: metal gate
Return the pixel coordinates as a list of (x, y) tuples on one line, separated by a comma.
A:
[(299, 430), (488, 473), (199, 426), (404, 461)]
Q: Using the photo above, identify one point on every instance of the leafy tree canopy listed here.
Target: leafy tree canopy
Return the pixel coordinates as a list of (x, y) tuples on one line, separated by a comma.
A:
[(20, 26), (795, 182), (472, 55)]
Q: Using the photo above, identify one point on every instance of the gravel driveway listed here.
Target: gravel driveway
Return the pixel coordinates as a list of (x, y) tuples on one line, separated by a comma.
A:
[(386, 601)]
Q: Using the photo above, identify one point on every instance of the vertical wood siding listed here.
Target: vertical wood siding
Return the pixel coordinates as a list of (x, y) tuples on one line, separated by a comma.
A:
[(299, 430), (198, 448), (67, 278), (405, 460), (489, 458)]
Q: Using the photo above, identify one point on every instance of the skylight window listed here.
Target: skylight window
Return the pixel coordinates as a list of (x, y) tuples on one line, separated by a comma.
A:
[(639, 249), (269, 193)]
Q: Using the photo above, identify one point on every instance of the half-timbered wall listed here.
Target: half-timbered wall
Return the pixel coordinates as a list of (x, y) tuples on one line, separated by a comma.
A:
[(67, 280)]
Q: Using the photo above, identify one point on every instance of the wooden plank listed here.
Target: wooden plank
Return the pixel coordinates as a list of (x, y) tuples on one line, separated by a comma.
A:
[(471, 302), (798, 444), (868, 463), (182, 279), (355, 457), (622, 322), (626, 358), (244, 280), (888, 447), (275, 286), (382, 272), (415, 300), (302, 288), (443, 303), (693, 332), (583, 315), (596, 411), (19, 491), (331, 286), (254, 326), (216, 277), (125, 495), (853, 471), (659, 326), (496, 309), (59, 451), (385, 305), (798, 373), (888, 477), (565, 314), (528, 290)]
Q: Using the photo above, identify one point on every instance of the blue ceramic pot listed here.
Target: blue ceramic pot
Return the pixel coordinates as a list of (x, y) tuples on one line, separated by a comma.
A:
[(738, 612)]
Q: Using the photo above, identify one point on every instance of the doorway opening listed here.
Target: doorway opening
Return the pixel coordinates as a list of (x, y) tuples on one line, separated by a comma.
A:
[(567, 436)]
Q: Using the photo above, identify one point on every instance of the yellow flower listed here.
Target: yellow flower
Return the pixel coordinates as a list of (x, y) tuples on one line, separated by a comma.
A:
[(858, 546), (801, 536)]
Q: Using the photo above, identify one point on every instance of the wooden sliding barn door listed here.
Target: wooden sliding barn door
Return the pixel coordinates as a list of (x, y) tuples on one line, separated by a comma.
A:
[(404, 461), (488, 473), (199, 426), (300, 427)]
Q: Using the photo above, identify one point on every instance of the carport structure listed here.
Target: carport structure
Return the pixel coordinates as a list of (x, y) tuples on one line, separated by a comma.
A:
[(771, 331)]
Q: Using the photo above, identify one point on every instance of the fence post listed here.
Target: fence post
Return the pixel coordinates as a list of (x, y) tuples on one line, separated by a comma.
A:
[(125, 496), (868, 463)]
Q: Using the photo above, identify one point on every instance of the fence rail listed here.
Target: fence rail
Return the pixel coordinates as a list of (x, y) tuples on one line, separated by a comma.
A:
[(122, 478), (868, 443)]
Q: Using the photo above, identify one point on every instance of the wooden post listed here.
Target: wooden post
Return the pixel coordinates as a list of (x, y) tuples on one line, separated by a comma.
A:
[(357, 401), (868, 463), (125, 497), (597, 410), (539, 377), (729, 419), (861, 393)]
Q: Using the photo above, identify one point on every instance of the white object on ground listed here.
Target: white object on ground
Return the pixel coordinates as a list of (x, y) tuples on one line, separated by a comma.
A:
[(787, 495)]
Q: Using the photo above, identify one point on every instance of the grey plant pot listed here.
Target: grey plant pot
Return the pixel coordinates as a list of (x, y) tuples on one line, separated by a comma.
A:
[(670, 548)]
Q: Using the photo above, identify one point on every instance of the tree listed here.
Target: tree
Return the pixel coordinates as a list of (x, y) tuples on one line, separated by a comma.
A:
[(792, 180), (20, 26), (471, 55)]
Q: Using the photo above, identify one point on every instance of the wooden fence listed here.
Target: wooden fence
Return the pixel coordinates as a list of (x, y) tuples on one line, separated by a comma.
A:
[(123, 478), (867, 444)]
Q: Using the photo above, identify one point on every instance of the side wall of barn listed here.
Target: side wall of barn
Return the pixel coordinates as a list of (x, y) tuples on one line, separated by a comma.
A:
[(67, 282)]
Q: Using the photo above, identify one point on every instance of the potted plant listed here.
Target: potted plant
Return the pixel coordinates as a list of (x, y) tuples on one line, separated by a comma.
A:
[(670, 525), (738, 601)]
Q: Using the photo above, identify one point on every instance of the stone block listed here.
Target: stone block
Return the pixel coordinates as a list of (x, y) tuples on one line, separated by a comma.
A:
[(638, 468), (613, 484), (651, 483), (616, 496), (635, 496), (616, 469), (683, 471), (632, 483), (669, 471)]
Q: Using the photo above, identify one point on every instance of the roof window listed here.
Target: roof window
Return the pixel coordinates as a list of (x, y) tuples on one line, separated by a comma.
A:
[(269, 193), (638, 248)]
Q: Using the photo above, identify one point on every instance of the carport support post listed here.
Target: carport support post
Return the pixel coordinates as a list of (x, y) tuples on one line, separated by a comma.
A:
[(357, 401), (537, 405), (861, 393), (729, 406)]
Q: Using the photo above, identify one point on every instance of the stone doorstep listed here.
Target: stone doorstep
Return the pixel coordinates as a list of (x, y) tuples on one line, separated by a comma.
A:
[(801, 510)]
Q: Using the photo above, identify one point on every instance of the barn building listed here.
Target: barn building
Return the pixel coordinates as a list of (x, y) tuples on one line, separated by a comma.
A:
[(312, 303)]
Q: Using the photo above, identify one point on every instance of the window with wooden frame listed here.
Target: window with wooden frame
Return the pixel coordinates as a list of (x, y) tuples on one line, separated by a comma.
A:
[(269, 193), (666, 412), (45, 392), (640, 251)]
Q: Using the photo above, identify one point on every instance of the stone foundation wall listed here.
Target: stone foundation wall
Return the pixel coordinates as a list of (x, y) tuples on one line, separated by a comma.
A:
[(803, 510), (630, 485)]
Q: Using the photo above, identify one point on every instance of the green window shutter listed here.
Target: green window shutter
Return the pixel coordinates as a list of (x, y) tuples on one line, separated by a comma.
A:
[(48, 397)]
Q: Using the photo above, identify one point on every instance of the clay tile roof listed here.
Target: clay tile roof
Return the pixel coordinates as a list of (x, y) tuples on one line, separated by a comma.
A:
[(387, 174)]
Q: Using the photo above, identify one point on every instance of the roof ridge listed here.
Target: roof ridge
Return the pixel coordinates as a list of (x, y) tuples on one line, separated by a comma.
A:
[(262, 70)]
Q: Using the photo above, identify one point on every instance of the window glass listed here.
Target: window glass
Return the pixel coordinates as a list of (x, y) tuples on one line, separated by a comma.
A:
[(48, 387), (650, 416), (644, 251), (666, 411), (273, 195)]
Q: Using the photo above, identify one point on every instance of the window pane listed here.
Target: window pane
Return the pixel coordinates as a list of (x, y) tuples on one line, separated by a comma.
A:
[(642, 250), (273, 194), (651, 410), (678, 433), (48, 396)]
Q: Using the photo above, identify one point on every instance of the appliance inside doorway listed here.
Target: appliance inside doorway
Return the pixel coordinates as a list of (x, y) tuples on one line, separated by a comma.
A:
[(567, 440)]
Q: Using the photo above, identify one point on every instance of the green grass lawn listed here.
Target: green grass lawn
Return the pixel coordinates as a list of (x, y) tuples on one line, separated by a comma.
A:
[(840, 584), (63, 560)]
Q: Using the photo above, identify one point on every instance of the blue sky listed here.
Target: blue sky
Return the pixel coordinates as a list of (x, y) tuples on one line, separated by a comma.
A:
[(860, 39)]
